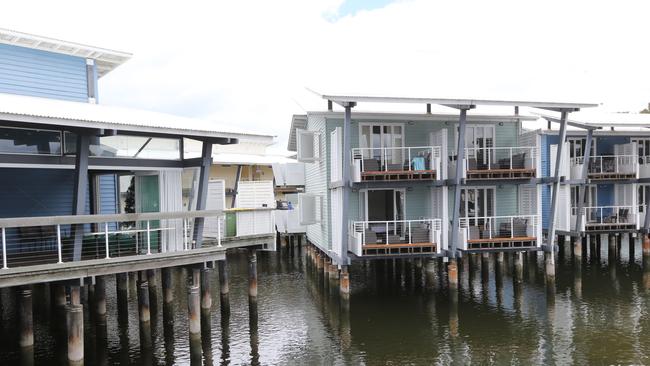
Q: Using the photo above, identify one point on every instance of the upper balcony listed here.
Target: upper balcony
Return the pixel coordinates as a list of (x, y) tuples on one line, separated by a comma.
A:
[(605, 167), (398, 237), (499, 163), (396, 164)]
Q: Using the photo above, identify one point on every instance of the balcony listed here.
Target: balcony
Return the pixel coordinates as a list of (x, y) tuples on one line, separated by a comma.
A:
[(396, 163), (605, 167), (500, 232), (399, 238), (607, 218), (500, 163)]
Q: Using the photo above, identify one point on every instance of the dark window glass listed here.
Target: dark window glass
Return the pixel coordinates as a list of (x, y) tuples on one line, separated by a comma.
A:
[(27, 141)]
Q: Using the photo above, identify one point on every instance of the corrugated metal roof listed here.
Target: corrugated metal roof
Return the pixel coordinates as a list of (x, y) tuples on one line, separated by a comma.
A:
[(85, 115), (607, 120), (298, 122), (250, 159), (105, 59)]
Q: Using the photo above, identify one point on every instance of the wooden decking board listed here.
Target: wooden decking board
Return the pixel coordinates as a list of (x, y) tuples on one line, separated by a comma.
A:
[(613, 175), (500, 173), (398, 175), (398, 249), (501, 243)]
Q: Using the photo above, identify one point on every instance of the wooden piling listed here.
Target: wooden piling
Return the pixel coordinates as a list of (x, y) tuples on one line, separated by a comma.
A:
[(344, 282), (143, 298), (75, 325), (206, 295), (549, 265), (224, 287), (519, 267), (25, 317), (60, 301), (100, 297), (577, 247), (252, 274), (167, 285), (645, 249), (452, 273), (194, 310), (611, 247)]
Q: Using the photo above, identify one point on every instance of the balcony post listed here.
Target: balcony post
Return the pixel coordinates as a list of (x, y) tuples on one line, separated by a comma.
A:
[(347, 122), (202, 192), (583, 184), (80, 190), (556, 182), (460, 156)]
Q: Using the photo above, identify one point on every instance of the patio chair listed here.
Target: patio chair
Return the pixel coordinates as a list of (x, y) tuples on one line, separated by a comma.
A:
[(371, 237), (370, 165), (474, 232), (420, 235)]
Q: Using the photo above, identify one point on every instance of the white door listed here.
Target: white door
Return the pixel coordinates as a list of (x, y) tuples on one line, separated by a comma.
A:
[(380, 139), (216, 200)]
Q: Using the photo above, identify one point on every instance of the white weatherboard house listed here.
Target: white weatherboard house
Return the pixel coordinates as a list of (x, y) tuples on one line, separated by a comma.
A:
[(391, 188)]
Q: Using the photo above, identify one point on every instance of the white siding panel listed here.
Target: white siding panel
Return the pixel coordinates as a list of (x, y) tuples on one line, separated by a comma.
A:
[(255, 194), (316, 183), (216, 200)]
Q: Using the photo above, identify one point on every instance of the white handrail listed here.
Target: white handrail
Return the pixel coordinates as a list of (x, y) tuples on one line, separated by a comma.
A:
[(597, 165), (490, 223), (433, 225), (471, 152), (386, 155), (602, 212)]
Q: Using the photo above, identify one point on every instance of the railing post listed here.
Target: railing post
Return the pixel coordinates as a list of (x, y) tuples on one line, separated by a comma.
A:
[(386, 238), (148, 237), (58, 242), (106, 237), (219, 230), (410, 236), (512, 227), (510, 158), (409, 155), (4, 249), (185, 243)]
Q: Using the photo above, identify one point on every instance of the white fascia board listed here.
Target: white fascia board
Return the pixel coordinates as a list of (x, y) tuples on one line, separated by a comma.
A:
[(424, 117)]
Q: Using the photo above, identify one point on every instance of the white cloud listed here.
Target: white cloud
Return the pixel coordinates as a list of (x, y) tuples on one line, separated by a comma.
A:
[(247, 62)]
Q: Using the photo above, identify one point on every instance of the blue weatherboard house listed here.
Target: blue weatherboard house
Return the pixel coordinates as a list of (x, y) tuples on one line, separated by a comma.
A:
[(62, 153), (606, 171)]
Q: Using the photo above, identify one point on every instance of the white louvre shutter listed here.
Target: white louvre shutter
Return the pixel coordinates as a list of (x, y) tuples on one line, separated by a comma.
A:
[(216, 200), (439, 138), (255, 194), (337, 229), (308, 146), (309, 209), (336, 155)]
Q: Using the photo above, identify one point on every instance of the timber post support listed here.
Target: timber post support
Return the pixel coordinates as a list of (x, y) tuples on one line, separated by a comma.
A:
[(75, 325)]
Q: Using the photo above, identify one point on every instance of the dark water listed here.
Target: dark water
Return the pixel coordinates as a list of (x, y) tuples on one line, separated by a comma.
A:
[(597, 313)]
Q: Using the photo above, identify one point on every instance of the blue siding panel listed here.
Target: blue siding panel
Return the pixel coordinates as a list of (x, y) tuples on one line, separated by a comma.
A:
[(26, 71)]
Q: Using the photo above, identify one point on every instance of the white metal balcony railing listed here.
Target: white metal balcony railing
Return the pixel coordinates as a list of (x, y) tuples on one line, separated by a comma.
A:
[(607, 215), (419, 231), (30, 241), (500, 158), (498, 227), (609, 164), (397, 159)]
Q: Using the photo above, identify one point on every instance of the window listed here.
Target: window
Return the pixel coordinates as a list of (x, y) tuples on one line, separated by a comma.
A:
[(375, 137), (577, 147), (308, 146), (575, 198), (29, 141), (136, 147), (310, 206), (478, 138), (477, 203), (643, 197), (643, 149)]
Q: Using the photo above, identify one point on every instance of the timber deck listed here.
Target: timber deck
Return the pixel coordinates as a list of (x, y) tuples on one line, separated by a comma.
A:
[(612, 226), (611, 175), (500, 173), (398, 175), (502, 243), (398, 249)]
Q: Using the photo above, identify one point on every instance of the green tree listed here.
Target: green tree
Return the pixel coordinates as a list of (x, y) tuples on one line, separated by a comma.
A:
[(647, 110)]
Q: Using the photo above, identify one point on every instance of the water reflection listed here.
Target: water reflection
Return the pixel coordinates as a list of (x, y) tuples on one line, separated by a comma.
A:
[(399, 312)]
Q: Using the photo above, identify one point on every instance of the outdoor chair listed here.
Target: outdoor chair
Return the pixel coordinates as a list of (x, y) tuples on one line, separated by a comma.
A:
[(371, 237), (419, 235), (370, 165)]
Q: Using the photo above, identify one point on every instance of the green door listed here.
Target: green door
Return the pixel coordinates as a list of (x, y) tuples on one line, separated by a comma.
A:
[(149, 199)]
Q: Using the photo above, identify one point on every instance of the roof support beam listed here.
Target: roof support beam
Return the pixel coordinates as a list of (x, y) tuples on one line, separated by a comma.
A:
[(556, 183), (202, 194), (80, 191), (460, 157), (583, 186), (234, 192)]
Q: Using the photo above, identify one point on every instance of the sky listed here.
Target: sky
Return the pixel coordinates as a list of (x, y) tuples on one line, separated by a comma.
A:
[(248, 63)]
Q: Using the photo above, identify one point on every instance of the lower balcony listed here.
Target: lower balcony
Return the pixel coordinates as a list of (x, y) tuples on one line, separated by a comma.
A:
[(500, 232), (395, 238), (607, 218)]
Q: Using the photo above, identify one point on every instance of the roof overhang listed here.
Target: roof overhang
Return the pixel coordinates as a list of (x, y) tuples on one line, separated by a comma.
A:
[(17, 111), (584, 126), (456, 102), (105, 59)]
